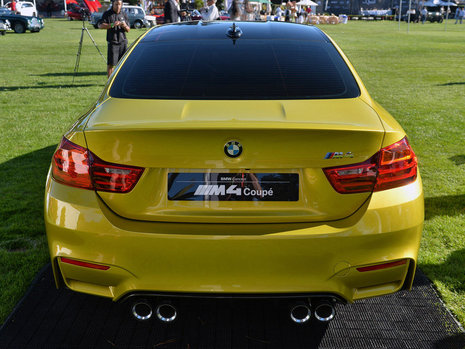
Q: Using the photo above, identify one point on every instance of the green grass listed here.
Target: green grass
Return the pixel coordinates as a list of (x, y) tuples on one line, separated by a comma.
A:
[(419, 77), (38, 102)]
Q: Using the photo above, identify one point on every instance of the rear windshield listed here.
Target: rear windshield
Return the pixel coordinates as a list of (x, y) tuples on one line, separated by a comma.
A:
[(247, 69)]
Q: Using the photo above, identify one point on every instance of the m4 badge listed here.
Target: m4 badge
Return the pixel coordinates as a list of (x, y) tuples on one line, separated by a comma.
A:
[(339, 155)]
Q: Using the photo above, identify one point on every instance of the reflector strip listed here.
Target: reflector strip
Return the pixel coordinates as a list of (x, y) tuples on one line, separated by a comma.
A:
[(382, 266), (84, 264)]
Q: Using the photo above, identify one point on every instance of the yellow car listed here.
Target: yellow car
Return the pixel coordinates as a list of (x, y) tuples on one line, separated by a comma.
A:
[(234, 160)]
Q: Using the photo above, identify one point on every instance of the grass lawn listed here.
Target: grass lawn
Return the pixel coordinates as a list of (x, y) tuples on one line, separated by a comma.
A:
[(418, 76)]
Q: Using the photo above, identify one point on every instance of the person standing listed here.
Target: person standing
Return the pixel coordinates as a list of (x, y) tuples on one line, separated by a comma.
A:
[(424, 14), (12, 6), (117, 25), (171, 11), (287, 13), (459, 14), (278, 13), (210, 12), (235, 11)]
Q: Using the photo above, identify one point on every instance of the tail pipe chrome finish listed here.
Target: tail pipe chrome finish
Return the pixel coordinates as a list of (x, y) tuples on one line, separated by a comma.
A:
[(300, 313), (325, 311), (142, 310), (166, 312)]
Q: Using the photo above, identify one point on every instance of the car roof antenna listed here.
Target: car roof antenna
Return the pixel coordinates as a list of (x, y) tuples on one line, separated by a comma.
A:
[(234, 33)]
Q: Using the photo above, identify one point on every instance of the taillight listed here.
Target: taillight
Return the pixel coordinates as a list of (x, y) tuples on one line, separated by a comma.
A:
[(397, 166), (76, 166), (113, 177), (356, 178), (70, 165), (392, 167)]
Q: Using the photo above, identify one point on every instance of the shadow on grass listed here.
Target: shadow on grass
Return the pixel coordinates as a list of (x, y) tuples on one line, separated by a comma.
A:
[(449, 272), (451, 84), (450, 205), (458, 159), (22, 182), (94, 73), (40, 86)]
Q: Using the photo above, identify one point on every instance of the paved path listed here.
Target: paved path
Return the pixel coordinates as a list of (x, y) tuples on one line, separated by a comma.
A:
[(50, 318)]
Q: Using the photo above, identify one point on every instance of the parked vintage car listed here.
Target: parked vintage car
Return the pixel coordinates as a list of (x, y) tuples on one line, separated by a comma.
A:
[(432, 16), (77, 13), (24, 8), (136, 15), (159, 15), (20, 23), (224, 15), (152, 20), (435, 16), (195, 15), (4, 26)]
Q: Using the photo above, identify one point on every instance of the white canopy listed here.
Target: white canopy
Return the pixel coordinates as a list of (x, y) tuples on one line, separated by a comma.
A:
[(433, 3), (306, 3)]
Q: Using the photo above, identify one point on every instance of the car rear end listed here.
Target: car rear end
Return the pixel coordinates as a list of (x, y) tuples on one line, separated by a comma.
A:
[(4, 26), (218, 178)]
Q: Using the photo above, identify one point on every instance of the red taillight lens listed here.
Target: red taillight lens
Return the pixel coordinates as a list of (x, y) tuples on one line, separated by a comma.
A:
[(70, 165), (76, 166), (397, 166), (113, 177), (356, 178), (392, 167)]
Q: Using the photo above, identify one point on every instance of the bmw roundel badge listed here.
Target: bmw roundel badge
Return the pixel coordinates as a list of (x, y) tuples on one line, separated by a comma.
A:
[(233, 149)]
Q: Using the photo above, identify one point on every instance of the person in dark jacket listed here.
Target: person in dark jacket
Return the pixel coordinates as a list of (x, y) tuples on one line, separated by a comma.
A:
[(116, 23), (171, 11)]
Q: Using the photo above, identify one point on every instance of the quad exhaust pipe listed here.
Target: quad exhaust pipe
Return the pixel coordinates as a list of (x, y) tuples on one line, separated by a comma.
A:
[(301, 312), (325, 311), (142, 310), (166, 312)]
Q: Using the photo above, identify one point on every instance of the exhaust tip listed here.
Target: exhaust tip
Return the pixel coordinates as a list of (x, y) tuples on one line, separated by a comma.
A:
[(142, 310), (325, 312), (300, 313), (166, 312)]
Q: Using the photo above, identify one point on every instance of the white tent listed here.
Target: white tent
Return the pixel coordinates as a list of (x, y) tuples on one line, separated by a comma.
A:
[(306, 3), (434, 3)]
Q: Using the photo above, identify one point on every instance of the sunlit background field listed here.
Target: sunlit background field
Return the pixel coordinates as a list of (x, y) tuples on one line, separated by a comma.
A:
[(418, 76)]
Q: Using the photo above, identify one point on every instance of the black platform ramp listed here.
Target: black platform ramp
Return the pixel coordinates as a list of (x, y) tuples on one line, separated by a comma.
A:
[(51, 318)]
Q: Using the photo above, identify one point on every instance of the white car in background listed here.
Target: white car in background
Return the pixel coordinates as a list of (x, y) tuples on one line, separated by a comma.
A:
[(4, 26), (136, 15), (24, 8)]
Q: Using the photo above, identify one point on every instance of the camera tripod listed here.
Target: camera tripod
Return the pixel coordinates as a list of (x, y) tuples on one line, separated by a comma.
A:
[(78, 56)]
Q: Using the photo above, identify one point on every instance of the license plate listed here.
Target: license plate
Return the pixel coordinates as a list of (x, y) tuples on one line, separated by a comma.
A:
[(233, 186)]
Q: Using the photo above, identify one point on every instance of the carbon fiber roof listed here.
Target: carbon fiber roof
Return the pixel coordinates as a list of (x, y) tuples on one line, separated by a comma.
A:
[(198, 30)]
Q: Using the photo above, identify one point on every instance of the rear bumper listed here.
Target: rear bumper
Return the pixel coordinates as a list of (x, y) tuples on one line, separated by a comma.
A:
[(298, 258)]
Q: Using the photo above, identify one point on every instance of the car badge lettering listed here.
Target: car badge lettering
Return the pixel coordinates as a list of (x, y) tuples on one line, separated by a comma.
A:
[(233, 149), (215, 190), (338, 155)]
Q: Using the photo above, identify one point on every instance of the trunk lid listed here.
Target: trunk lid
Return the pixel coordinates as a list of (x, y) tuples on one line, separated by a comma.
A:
[(285, 145)]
